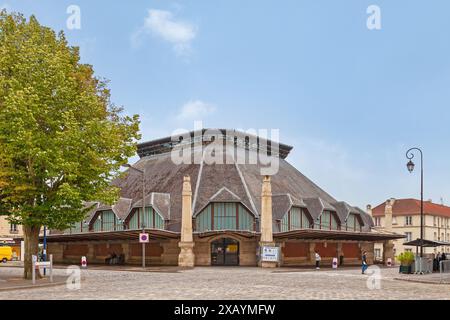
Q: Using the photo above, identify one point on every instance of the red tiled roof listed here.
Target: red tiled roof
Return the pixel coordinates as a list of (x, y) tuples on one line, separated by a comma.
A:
[(412, 206)]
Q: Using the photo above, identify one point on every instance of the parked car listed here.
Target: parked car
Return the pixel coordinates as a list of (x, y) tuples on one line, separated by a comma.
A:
[(5, 254)]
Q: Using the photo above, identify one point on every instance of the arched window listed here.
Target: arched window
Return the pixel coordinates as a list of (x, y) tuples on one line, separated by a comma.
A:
[(152, 219), (328, 221), (296, 218), (224, 216)]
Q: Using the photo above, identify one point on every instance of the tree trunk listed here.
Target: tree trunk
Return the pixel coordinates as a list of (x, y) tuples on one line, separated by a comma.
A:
[(31, 237)]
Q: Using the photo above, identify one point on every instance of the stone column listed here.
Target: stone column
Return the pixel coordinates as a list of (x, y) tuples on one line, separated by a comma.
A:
[(388, 251), (91, 253), (266, 220), (186, 258), (312, 253), (126, 251), (339, 253)]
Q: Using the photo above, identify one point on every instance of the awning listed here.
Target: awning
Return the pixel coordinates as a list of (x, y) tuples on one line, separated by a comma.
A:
[(157, 234), (426, 243), (154, 234), (315, 234)]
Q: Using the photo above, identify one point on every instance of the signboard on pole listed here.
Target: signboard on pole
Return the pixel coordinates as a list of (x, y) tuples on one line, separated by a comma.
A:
[(270, 254), (144, 238), (41, 264)]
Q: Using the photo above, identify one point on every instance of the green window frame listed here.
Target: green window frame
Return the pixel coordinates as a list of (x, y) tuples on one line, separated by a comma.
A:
[(353, 223), (328, 221), (152, 219), (224, 216), (296, 218), (107, 221)]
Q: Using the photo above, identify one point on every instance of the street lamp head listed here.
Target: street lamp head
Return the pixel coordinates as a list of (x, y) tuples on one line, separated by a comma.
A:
[(410, 165)]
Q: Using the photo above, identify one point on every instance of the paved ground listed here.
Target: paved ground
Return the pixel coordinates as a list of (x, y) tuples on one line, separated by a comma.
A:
[(232, 283)]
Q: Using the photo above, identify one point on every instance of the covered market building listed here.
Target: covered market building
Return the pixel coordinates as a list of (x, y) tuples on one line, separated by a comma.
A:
[(199, 212)]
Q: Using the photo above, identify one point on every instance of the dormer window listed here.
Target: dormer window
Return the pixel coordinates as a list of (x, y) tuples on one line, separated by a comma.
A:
[(295, 219)]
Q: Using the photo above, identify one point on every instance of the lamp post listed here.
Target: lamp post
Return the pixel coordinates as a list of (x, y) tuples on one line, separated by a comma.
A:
[(142, 172), (410, 165), (44, 251)]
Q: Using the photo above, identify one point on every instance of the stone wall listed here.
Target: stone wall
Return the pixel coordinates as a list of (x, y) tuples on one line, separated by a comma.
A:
[(165, 252), (302, 253)]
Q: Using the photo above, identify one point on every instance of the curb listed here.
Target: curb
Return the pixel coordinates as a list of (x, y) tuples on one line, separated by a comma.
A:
[(424, 282), (36, 286)]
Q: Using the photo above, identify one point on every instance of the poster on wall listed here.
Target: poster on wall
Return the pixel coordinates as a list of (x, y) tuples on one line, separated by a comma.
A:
[(269, 254)]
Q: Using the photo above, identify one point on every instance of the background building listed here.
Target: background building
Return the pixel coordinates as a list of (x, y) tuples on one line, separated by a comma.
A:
[(403, 216), (8, 233)]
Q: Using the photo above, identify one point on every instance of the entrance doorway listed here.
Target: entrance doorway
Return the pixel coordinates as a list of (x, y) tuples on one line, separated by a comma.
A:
[(225, 252)]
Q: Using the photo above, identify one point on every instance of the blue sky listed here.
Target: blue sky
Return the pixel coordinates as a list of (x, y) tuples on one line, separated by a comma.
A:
[(350, 100)]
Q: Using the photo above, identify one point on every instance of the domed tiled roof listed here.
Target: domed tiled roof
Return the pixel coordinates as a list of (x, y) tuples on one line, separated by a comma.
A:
[(223, 182)]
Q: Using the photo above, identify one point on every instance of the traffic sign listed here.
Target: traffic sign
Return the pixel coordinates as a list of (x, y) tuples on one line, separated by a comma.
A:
[(144, 238)]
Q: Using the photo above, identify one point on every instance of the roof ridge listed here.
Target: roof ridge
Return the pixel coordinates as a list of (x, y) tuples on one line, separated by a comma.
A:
[(197, 183), (224, 189), (247, 191)]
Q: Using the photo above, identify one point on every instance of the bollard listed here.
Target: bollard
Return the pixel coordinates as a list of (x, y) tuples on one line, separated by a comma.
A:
[(335, 263), (51, 268), (83, 262), (389, 262), (33, 269)]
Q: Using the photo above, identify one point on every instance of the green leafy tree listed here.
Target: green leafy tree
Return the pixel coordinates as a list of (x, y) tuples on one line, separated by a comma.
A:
[(62, 141)]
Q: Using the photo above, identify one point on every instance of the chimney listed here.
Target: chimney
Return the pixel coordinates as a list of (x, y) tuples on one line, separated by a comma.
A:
[(186, 257), (388, 214), (369, 210)]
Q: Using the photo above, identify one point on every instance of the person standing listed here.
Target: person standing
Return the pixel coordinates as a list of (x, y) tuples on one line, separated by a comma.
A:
[(318, 258), (364, 262)]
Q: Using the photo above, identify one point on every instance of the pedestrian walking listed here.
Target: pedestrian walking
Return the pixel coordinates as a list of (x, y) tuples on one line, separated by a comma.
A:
[(318, 258), (364, 262)]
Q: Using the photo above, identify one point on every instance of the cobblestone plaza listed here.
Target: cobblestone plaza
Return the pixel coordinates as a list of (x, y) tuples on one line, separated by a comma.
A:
[(231, 283)]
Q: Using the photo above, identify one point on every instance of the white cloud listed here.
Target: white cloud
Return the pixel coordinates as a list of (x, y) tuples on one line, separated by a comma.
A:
[(162, 24), (195, 109)]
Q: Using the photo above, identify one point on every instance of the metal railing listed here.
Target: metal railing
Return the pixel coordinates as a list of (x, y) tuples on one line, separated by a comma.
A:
[(423, 265), (444, 267)]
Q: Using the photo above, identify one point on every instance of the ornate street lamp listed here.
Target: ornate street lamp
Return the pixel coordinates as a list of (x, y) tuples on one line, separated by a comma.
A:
[(410, 165)]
